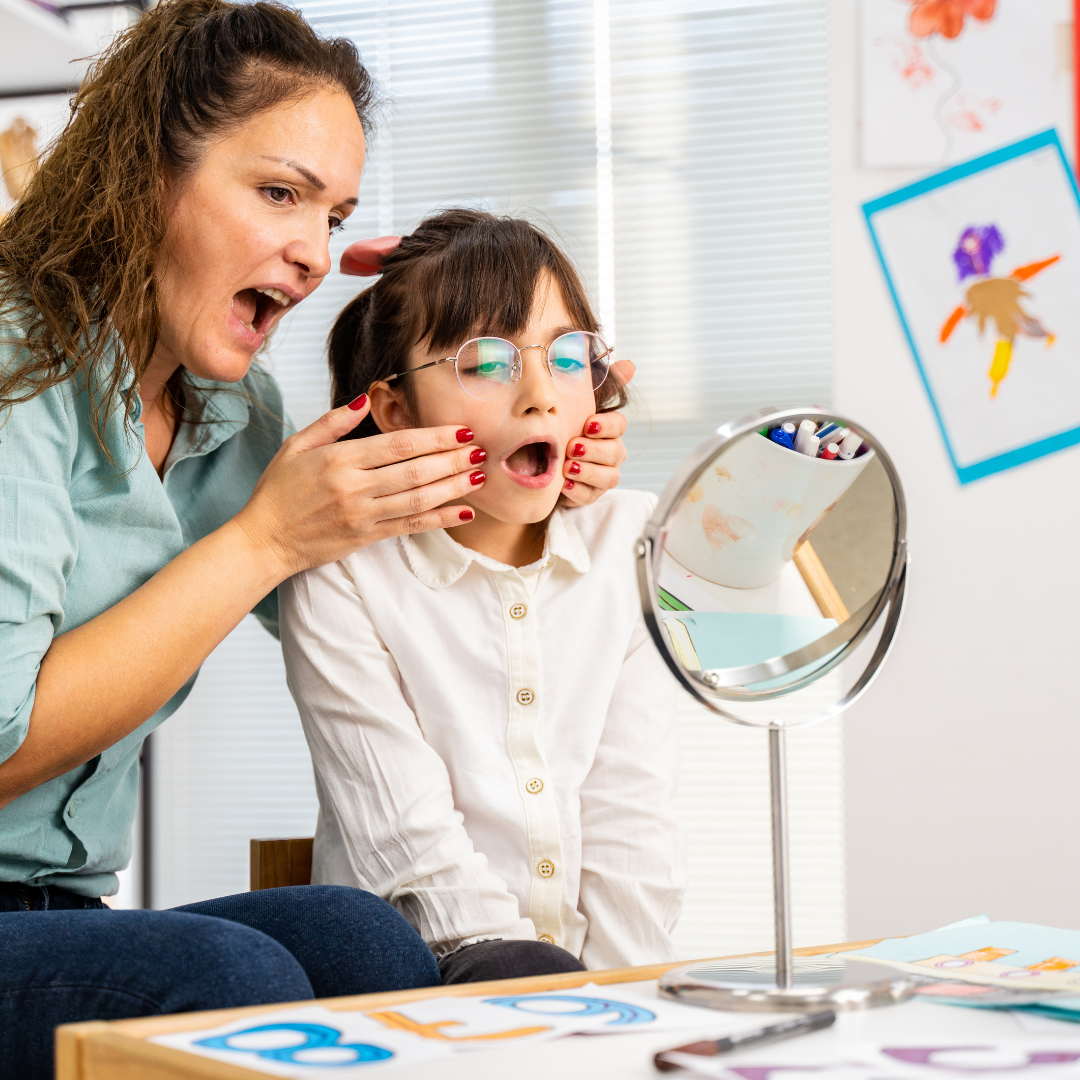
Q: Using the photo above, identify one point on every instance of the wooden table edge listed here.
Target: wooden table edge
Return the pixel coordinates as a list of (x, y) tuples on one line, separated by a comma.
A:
[(118, 1050)]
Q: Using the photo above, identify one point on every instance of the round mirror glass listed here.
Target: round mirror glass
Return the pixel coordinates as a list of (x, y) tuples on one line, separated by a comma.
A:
[(772, 573)]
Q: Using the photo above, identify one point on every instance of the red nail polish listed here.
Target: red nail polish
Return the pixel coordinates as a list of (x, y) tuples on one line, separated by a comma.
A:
[(466, 515), (477, 456), (569, 485), (464, 435), (358, 403), (574, 468), (579, 449), (594, 428), (477, 478)]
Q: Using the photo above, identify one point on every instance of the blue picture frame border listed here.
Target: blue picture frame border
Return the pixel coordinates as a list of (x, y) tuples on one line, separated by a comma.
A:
[(988, 466)]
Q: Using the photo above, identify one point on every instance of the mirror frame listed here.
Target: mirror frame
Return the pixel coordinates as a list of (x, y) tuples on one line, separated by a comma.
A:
[(650, 546)]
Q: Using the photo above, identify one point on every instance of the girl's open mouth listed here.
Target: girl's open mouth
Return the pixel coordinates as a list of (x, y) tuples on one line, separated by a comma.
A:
[(531, 465), (256, 309)]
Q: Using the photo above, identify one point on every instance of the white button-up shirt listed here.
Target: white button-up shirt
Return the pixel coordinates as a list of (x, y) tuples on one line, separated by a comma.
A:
[(495, 748)]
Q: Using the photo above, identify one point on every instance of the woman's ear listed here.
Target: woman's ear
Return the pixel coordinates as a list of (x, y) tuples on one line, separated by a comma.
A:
[(388, 408)]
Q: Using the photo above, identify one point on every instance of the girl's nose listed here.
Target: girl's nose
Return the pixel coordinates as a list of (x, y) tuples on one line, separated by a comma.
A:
[(535, 388)]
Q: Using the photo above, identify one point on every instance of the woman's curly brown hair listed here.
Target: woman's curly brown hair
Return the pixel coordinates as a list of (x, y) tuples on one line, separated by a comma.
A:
[(79, 253)]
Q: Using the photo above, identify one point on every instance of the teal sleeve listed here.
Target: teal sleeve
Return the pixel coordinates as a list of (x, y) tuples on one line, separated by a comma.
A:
[(38, 547), (266, 611)]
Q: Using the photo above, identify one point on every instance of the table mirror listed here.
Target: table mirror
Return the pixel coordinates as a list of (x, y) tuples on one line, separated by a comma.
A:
[(772, 580)]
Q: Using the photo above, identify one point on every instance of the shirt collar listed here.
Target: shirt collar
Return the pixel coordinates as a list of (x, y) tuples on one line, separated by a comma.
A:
[(219, 409), (438, 561)]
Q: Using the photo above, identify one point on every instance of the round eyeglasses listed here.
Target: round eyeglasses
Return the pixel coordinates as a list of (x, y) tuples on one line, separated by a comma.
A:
[(487, 367)]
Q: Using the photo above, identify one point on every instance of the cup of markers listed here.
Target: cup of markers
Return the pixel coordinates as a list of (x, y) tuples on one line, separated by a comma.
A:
[(826, 442), (740, 524)]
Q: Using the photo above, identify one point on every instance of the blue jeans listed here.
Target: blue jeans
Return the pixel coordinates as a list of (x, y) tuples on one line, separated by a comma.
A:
[(64, 958)]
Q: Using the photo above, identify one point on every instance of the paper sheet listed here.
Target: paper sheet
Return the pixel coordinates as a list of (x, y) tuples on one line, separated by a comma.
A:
[(983, 263), (306, 1042), (929, 99), (1007, 955), (936, 1059), (314, 1041)]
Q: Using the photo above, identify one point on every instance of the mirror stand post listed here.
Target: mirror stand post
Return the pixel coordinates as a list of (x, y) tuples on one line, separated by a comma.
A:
[(781, 863)]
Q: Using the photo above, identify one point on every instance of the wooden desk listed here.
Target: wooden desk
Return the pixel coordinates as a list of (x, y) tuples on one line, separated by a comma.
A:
[(119, 1051)]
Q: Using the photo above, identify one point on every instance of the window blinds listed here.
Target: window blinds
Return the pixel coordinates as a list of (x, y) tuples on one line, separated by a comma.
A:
[(678, 150)]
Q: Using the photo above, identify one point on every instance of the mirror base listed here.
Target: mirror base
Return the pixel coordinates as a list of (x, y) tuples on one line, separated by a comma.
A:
[(748, 984)]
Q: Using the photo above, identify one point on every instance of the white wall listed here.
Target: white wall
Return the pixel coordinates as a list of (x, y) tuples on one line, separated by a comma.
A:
[(961, 762)]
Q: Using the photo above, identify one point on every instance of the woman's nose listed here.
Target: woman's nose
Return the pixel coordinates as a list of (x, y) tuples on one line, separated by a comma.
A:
[(310, 252)]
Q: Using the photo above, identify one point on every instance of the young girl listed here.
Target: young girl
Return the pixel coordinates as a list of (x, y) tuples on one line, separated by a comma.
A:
[(492, 730)]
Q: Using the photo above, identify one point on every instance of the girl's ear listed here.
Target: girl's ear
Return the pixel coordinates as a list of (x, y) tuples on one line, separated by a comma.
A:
[(388, 408)]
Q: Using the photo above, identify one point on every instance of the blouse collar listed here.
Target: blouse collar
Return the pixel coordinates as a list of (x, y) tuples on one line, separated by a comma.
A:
[(438, 561)]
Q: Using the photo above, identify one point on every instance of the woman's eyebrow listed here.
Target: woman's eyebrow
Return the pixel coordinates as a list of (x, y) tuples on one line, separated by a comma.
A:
[(307, 174)]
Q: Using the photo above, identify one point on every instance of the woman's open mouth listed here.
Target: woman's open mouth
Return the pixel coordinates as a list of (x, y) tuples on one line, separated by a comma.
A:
[(257, 308), (532, 464)]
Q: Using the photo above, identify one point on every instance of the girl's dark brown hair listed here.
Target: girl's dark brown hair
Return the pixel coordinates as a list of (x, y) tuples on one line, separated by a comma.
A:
[(460, 274), (78, 253)]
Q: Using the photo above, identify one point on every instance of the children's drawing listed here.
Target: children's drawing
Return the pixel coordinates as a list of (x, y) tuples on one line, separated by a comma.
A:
[(983, 264), (27, 126), (995, 299), (946, 17), (18, 156), (944, 80)]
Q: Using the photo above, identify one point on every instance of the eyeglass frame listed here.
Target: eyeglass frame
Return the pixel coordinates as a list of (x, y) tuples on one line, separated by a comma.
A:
[(608, 350)]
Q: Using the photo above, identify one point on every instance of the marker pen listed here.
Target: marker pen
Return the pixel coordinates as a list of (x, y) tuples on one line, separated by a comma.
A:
[(806, 431), (851, 443), (810, 447), (830, 451), (782, 437), (827, 429)]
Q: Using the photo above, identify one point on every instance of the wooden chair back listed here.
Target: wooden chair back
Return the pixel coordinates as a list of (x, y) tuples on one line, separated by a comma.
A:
[(279, 861)]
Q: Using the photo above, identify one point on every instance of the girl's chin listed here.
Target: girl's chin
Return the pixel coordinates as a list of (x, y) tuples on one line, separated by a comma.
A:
[(519, 506)]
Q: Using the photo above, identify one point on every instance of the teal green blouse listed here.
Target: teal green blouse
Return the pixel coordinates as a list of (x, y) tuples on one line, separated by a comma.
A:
[(77, 535)]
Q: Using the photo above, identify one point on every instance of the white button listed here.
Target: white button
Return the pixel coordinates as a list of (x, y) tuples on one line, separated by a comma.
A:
[(526, 696), (535, 786), (545, 868), (546, 937), (518, 611)]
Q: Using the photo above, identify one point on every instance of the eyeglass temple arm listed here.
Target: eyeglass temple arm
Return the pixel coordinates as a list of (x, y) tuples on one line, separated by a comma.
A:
[(434, 363)]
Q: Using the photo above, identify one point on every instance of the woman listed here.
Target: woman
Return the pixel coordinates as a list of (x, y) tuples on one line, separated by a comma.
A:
[(149, 499)]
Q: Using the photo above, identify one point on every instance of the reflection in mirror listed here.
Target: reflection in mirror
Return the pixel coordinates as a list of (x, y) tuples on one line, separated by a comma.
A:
[(774, 561)]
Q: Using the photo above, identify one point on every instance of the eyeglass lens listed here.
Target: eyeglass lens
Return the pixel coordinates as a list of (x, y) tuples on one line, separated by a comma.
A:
[(487, 367)]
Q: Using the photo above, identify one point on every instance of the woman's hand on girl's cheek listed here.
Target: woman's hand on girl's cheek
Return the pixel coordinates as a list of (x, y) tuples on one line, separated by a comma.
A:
[(592, 461)]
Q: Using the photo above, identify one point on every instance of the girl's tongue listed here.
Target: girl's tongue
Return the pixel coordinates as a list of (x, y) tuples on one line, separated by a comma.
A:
[(529, 460)]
